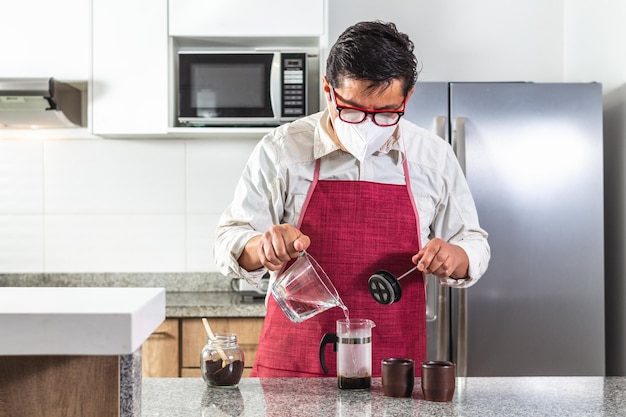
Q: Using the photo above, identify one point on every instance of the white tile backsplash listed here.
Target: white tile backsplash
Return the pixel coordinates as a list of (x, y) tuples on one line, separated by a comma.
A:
[(213, 169), (115, 243), (115, 176), (21, 243), (78, 205), (21, 176), (200, 239)]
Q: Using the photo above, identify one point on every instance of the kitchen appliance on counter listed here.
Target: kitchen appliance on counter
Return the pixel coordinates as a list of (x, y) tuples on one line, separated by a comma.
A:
[(246, 86), (248, 293), (533, 157)]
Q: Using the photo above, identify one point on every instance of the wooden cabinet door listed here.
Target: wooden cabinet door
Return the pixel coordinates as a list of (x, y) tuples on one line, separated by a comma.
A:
[(160, 352), (248, 330)]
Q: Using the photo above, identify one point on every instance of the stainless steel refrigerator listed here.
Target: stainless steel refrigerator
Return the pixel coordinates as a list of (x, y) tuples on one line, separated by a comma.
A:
[(532, 155)]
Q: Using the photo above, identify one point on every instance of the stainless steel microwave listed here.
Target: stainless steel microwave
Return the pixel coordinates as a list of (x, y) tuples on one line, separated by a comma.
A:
[(246, 87)]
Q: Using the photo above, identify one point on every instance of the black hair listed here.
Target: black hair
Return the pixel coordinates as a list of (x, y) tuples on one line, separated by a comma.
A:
[(374, 51)]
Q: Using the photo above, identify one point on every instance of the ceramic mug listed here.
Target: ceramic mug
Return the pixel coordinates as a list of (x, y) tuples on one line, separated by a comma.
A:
[(438, 380), (398, 377)]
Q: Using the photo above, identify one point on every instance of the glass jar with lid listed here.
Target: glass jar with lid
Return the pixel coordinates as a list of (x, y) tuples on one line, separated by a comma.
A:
[(222, 361)]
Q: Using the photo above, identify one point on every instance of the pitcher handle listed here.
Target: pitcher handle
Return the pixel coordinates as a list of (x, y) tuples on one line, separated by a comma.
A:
[(326, 339)]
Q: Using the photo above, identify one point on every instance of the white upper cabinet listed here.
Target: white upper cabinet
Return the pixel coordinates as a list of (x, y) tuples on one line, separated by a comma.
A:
[(130, 67), (41, 38), (246, 18)]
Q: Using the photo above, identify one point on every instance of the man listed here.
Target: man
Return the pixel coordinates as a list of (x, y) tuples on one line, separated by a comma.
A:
[(361, 189)]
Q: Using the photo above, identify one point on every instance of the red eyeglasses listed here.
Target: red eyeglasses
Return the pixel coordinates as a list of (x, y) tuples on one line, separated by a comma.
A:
[(355, 115)]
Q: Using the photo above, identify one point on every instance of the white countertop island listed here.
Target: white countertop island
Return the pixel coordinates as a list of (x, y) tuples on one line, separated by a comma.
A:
[(74, 351), (78, 321)]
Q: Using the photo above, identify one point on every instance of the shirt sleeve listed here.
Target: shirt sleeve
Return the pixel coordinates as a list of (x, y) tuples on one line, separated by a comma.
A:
[(456, 220), (257, 204)]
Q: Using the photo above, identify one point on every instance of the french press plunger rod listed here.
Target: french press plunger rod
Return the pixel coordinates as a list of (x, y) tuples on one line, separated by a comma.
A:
[(385, 287)]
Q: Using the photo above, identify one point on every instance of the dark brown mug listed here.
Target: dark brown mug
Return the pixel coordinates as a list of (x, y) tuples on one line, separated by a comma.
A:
[(398, 377), (438, 380)]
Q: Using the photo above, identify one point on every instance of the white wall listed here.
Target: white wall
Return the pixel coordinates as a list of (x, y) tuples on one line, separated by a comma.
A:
[(595, 33)]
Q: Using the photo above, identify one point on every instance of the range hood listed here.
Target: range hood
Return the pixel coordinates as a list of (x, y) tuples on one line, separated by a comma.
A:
[(39, 103)]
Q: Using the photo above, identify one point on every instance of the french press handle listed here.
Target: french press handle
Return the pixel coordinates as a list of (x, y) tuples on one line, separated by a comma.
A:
[(326, 339)]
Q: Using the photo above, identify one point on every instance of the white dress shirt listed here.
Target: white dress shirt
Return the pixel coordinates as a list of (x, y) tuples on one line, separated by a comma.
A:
[(279, 172)]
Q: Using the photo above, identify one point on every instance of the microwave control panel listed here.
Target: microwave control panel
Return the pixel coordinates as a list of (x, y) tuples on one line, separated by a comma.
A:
[(294, 88)]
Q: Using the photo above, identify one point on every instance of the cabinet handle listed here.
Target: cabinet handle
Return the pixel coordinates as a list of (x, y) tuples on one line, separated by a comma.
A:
[(161, 334)]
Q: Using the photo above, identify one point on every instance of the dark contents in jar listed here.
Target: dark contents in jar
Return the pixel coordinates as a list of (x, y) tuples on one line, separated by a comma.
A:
[(223, 377)]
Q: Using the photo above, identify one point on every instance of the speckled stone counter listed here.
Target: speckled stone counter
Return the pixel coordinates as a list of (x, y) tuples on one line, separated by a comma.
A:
[(187, 294), (319, 397), (211, 304), (171, 281)]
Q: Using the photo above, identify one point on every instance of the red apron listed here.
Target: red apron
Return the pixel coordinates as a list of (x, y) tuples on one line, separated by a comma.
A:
[(356, 228)]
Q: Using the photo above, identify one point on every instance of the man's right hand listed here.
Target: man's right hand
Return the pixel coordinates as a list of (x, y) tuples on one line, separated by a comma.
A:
[(272, 249)]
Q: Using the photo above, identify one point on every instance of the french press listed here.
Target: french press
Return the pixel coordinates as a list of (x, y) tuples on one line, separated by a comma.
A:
[(353, 344)]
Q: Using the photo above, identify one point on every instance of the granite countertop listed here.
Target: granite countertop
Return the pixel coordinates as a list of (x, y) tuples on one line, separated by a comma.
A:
[(319, 397), (212, 304), (207, 294)]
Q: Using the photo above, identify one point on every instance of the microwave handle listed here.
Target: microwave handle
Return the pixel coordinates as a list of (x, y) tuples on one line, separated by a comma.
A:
[(275, 76)]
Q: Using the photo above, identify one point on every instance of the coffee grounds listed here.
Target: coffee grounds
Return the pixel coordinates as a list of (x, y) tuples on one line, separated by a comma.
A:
[(354, 383), (223, 377)]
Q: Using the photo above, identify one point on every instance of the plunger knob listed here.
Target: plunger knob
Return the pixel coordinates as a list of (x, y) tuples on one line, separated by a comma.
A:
[(384, 287)]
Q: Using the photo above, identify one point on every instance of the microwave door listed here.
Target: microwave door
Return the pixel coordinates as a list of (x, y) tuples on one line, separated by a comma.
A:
[(275, 86), (227, 89)]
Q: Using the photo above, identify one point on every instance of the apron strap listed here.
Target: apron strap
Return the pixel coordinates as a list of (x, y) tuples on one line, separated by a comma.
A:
[(316, 176), (407, 178)]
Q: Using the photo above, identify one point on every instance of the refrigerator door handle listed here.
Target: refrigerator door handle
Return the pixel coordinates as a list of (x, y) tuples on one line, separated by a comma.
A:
[(432, 295), (460, 331), (443, 322), (458, 140), (460, 341), (438, 311), (439, 126)]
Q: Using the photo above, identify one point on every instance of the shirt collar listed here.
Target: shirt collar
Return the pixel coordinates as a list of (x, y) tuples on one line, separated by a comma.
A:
[(323, 143), (394, 145)]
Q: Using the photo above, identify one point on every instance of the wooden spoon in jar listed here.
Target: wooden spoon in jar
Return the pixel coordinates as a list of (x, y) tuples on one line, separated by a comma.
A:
[(220, 352)]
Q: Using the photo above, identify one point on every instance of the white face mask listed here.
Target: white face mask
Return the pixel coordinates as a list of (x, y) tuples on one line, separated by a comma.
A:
[(362, 139)]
